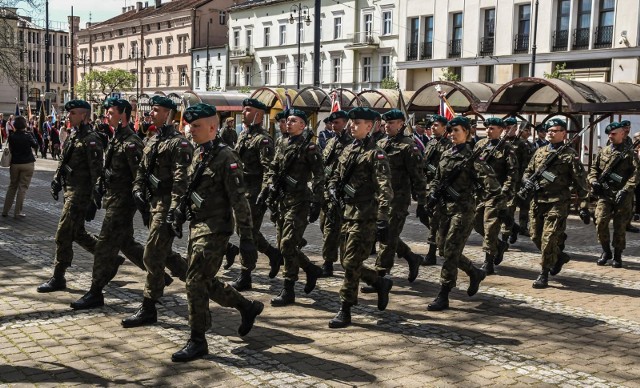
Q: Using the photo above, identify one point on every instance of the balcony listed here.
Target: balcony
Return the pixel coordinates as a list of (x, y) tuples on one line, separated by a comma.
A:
[(427, 50), (455, 48), (412, 51), (521, 43), (361, 40), (241, 53), (486, 45), (560, 40), (581, 38), (604, 37)]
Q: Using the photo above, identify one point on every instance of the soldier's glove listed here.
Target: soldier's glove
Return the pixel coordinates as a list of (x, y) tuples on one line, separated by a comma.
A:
[(262, 197), (432, 200), (620, 196), (91, 212), (531, 186), (596, 188), (422, 214), (382, 231), (248, 250), (55, 188), (585, 215), (174, 226), (140, 201), (314, 212)]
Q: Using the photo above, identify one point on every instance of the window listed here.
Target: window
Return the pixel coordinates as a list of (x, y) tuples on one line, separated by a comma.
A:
[(488, 34), (148, 76), (584, 14), (523, 70), (183, 76), (236, 39), (606, 13), (148, 44), (282, 73), (524, 25), (385, 66), (134, 49), (249, 38), (486, 74), (564, 9), (368, 24), (218, 78), (266, 70), (387, 23), (283, 34), (337, 28), (102, 50), (366, 69), (158, 76), (455, 44), (158, 47), (184, 44), (169, 74), (247, 75), (169, 44), (337, 64), (120, 51), (197, 79), (235, 76), (267, 36), (222, 18), (110, 53), (414, 33), (180, 45)]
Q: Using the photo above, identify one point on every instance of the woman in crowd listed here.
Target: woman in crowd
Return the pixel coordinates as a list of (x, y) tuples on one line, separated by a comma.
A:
[(21, 170)]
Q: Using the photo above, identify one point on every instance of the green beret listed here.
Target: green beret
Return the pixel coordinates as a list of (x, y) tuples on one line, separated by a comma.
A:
[(510, 121), (163, 102), (625, 123), (393, 114), (198, 111), (494, 121), (281, 115), (297, 113), (361, 113), (72, 104), (612, 127), (541, 128), (252, 102), (339, 114), (440, 119), (459, 120), (556, 122), (326, 120), (124, 105)]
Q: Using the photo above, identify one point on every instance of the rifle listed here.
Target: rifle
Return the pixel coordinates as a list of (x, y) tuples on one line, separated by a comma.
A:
[(105, 175), (332, 157), (60, 177), (149, 178), (608, 174), (342, 187), (526, 191)]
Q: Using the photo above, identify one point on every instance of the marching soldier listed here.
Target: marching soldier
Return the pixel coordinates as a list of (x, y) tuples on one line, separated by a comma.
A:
[(458, 206), (626, 127), (215, 188), (228, 134), (160, 182), (78, 170), (613, 177), (494, 163), (523, 155), (362, 184), (330, 218), (295, 204), (433, 152), (552, 195)]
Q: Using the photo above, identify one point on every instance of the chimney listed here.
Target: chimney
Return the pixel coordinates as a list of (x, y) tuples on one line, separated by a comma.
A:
[(124, 9), (146, 4), (158, 3), (138, 6)]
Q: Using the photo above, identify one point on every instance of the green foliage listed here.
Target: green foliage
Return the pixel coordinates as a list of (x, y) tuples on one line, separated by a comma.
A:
[(448, 74), (388, 83), (98, 85), (245, 89), (560, 73)]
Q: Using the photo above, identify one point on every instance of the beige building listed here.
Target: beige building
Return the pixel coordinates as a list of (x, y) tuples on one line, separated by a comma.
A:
[(154, 41)]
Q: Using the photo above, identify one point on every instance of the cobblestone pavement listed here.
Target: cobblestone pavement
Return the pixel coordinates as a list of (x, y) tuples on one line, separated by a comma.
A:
[(582, 331)]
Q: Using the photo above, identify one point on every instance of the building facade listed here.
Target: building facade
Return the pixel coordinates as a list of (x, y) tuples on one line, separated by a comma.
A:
[(217, 64), (492, 40), (359, 41)]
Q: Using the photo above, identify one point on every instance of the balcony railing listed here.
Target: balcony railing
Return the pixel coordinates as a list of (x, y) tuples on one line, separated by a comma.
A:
[(604, 37), (486, 45), (580, 38), (427, 50), (560, 40), (412, 51), (521, 43), (455, 48), (241, 52), (366, 38)]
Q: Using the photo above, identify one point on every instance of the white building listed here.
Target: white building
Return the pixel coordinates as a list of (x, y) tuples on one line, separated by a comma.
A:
[(359, 41), (217, 64), (492, 40)]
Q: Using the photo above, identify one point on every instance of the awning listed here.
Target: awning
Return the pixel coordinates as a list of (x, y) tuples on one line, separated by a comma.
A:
[(464, 97), (223, 101), (382, 99)]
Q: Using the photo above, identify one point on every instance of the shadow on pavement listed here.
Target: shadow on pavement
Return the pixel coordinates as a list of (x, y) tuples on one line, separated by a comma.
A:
[(15, 374)]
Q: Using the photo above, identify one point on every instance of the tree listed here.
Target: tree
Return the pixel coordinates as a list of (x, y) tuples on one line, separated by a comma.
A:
[(98, 85), (12, 47), (560, 72), (448, 74), (388, 83)]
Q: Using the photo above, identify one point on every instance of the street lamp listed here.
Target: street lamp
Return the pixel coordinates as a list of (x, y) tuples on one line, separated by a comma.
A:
[(137, 55), (303, 12)]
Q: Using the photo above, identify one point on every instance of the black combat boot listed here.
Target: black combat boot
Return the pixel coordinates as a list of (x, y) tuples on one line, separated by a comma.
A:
[(563, 259), (441, 302), (502, 248), (524, 228), (617, 258), (230, 255), (167, 280), (605, 256), (243, 281), (487, 266), (327, 269), (303, 243), (430, 257), (383, 287), (513, 236), (56, 283), (249, 310), (343, 318), (145, 315), (313, 273), (414, 262), (91, 299), (475, 277), (275, 261), (543, 279), (286, 297), (366, 289), (373, 250), (196, 347)]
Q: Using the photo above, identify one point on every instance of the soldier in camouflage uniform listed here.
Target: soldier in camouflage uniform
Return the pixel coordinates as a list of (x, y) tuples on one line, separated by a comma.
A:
[(432, 154), (619, 162), (330, 217), (216, 187), (551, 198), (457, 212), (491, 206), (296, 205), (228, 134), (78, 170), (362, 184), (256, 151), (160, 182)]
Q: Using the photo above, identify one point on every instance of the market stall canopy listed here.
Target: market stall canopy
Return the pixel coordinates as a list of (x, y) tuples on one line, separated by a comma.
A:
[(381, 99), (223, 101), (464, 97), (274, 97)]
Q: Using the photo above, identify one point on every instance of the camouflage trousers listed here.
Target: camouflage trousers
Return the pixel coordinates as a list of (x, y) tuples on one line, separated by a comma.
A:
[(387, 252), (455, 229), (547, 223), (511, 212), (71, 228), (257, 215), (204, 255), (487, 223), (331, 233), (156, 251), (294, 219), (359, 237), (621, 214)]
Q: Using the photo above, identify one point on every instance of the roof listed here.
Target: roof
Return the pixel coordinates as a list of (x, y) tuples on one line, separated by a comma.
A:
[(223, 101), (151, 11), (462, 96), (382, 99), (255, 3)]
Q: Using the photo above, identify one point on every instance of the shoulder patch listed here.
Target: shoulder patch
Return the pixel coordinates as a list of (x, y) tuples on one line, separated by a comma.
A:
[(92, 144), (131, 146), (233, 166), (380, 156), (265, 141), (184, 144), (312, 147)]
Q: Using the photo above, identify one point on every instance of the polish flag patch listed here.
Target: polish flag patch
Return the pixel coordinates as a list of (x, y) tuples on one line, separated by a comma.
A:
[(92, 144), (184, 144), (312, 147), (265, 141), (380, 156), (233, 166)]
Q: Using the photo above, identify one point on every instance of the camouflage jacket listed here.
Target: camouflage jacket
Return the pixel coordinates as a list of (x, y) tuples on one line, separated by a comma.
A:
[(503, 166), (333, 150), (220, 195), (523, 154), (368, 192), (229, 136), (281, 142), (125, 150), (255, 148), (624, 174), (168, 176), (405, 161), (432, 153), (84, 166)]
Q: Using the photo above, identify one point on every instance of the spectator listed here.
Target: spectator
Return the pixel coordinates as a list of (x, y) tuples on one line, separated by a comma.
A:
[(55, 141), (21, 169), (3, 130), (326, 134), (10, 126), (38, 137), (46, 130)]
